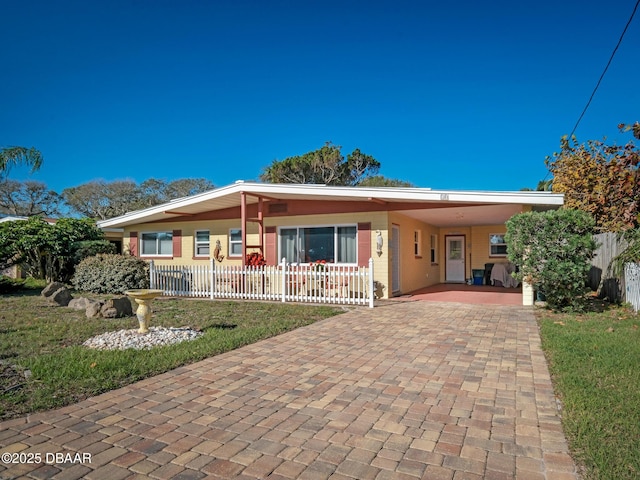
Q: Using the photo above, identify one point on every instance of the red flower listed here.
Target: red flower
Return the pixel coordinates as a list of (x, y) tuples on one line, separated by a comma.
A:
[(255, 259)]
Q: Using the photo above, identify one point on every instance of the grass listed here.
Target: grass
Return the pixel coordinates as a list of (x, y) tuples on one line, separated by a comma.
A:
[(45, 341), (594, 359)]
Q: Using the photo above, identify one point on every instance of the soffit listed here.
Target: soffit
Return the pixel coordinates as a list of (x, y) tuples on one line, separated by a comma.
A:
[(483, 206)]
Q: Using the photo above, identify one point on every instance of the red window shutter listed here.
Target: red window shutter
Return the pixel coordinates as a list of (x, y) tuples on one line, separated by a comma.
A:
[(133, 243), (177, 243), (364, 244), (270, 245)]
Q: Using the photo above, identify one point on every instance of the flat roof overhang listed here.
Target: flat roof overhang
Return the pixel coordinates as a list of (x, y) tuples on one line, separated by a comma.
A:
[(441, 208)]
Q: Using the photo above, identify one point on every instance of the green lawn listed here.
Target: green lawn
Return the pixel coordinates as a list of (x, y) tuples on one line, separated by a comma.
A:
[(46, 341), (594, 360)]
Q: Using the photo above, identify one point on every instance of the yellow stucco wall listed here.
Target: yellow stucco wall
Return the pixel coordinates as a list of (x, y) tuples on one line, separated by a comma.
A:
[(416, 271), (443, 234), (219, 230), (480, 251), (476, 247)]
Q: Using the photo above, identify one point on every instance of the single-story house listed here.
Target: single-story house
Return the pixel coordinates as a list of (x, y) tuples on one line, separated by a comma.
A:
[(417, 237)]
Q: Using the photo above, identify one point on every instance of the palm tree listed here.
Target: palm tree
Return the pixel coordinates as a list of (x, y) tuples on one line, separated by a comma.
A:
[(11, 156), (545, 185)]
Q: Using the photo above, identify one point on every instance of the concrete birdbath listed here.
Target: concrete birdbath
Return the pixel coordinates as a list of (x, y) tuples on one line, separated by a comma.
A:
[(143, 297)]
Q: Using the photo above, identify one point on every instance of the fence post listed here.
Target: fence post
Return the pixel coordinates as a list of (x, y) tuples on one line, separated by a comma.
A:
[(212, 277), (152, 276), (371, 292), (284, 280)]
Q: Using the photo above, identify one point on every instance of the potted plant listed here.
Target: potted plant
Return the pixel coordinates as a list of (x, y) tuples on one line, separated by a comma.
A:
[(318, 265), (255, 259)]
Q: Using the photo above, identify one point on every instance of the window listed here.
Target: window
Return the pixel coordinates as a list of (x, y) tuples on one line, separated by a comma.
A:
[(235, 242), (201, 247), (434, 249), (417, 243), (497, 245), (334, 244), (157, 243)]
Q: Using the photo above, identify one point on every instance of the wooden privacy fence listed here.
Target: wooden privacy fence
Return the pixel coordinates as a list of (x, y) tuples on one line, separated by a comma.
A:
[(601, 277), (316, 283)]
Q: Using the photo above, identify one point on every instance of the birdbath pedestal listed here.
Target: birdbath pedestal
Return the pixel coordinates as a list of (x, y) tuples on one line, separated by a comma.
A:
[(143, 297)]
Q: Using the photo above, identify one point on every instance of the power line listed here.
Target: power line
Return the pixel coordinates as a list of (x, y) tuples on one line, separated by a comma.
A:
[(586, 107), (605, 69)]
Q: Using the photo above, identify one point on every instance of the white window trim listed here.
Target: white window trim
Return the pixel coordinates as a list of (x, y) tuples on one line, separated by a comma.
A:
[(141, 244), (335, 240), (433, 248), (417, 243), (197, 244), (502, 255), (235, 242)]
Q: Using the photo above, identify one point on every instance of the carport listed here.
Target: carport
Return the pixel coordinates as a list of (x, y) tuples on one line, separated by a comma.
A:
[(462, 293)]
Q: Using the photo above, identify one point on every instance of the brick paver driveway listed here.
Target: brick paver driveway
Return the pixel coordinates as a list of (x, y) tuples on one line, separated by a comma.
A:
[(406, 390)]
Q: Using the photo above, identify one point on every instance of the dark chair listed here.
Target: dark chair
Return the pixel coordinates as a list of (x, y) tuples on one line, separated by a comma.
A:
[(487, 273)]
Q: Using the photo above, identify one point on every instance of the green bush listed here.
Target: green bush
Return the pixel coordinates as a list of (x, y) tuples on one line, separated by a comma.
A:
[(89, 248), (10, 285), (109, 273), (553, 251)]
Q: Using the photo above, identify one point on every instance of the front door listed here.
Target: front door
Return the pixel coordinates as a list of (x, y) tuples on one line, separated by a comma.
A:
[(454, 266)]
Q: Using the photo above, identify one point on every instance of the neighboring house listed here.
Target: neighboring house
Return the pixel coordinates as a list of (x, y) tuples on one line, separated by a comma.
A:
[(427, 236)]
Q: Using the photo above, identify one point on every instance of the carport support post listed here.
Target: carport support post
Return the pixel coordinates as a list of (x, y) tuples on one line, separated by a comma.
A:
[(371, 283), (527, 293)]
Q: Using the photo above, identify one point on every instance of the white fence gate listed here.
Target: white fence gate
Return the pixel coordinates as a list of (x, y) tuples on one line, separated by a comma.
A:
[(315, 283), (632, 284)]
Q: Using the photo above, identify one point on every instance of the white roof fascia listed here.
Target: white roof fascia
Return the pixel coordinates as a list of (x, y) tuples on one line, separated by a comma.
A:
[(365, 193)]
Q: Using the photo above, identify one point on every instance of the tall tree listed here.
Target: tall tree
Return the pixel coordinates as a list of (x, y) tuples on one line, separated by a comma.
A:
[(13, 156), (601, 179), (101, 200), (381, 181), (326, 166), (45, 250), (154, 191), (28, 198)]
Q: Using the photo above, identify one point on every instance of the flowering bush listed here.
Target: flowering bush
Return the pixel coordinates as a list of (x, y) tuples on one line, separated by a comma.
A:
[(255, 259)]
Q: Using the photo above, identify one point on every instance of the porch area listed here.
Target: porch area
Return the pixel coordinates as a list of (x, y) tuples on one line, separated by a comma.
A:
[(463, 293), (307, 283)]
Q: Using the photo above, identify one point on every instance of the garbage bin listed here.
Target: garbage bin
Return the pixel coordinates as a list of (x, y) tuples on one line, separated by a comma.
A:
[(478, 277)]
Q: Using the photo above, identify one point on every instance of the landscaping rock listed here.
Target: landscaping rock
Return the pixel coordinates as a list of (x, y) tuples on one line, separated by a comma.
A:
[(52, 288), (81, 303), (93, 310), (61, 297), (116, 308)]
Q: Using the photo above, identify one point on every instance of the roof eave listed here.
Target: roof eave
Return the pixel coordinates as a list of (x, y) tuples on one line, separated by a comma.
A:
[(355, 193)]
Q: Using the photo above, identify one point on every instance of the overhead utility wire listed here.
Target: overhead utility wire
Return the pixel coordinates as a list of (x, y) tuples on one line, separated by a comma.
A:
[(605, 69), (626, 27)]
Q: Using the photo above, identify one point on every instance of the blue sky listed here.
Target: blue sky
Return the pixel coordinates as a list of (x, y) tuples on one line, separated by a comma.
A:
[(448, 95)]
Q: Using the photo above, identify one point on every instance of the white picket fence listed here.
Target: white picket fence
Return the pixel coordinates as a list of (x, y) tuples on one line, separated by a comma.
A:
[(330, 284), (632, 284)]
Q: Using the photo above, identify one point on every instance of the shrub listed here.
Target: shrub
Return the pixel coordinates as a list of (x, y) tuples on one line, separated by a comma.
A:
[(9, 285), (109, 273), (90, 248), (553, 251)]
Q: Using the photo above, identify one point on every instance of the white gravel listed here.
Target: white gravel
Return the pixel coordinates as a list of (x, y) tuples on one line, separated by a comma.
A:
[(157, 336)]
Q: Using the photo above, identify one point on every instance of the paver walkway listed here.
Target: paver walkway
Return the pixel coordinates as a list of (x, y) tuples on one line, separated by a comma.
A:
[(406, 390)]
